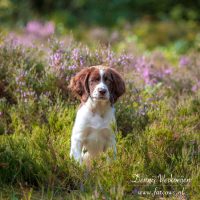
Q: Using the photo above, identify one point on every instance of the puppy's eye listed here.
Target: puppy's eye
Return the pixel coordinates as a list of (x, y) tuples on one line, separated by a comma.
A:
[(94, 80), (106, 79)]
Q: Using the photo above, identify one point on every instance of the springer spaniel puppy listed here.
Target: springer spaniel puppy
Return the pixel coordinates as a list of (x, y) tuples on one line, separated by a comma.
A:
[(98, 88)]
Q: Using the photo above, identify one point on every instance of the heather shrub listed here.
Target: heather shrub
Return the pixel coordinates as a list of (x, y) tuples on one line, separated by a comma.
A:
[(34, 154), (168, 129), (20, 72), (172, 139), (132, 109)]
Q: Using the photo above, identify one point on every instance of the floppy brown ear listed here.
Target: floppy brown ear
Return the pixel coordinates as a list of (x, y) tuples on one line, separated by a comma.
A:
[(118, 85), (79, 84)]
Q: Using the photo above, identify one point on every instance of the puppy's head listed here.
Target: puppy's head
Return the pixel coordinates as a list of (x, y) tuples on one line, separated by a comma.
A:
[(98, 82)]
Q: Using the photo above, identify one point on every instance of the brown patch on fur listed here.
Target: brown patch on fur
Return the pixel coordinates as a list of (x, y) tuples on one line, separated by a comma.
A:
[(115, 84), (79, 84), (93, 80)]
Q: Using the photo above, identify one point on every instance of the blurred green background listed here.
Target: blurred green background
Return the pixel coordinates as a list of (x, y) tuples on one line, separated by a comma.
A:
[(98, 12)]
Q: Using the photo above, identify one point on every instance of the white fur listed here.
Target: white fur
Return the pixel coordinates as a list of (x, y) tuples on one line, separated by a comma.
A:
[(92, 130), (101, 85)]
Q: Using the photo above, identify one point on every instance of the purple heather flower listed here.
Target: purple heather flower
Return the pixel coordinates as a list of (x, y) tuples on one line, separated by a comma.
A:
[(63, 67), (47, 94), (26, 40), (196, 86), (24, 94), (110, 57), (144, 68), (184, 61), (149, 71), (75, 54), (33, 26), (98, 57), (146, 76), (67, 78), (48, 29), (123, 59), (56, 59), (72, 67), (146, 72), (39, 29), (168, 71), (17, 79), (140, 64), (81, 61), (135, 191)]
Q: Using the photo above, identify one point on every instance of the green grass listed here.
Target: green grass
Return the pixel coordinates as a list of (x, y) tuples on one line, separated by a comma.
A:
[(37, 156)]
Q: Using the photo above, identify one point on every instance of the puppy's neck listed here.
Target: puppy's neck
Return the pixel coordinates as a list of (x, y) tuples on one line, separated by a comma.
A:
[(100, 107)]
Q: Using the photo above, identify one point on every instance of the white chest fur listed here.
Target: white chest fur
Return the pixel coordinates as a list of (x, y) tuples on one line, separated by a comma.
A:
[(92, 130)]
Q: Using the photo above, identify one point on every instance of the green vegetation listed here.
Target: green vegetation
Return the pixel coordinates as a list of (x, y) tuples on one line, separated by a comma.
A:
[(93, 12)]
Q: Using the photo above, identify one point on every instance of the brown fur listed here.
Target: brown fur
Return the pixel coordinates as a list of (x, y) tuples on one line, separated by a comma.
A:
[(78, 84), (117, 85), (93, 80)]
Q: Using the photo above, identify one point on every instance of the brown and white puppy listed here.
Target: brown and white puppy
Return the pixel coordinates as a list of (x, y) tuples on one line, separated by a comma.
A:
[(98, 88)]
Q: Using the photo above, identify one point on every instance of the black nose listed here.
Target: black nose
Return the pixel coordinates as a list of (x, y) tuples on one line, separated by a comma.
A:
[(102, 91)]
